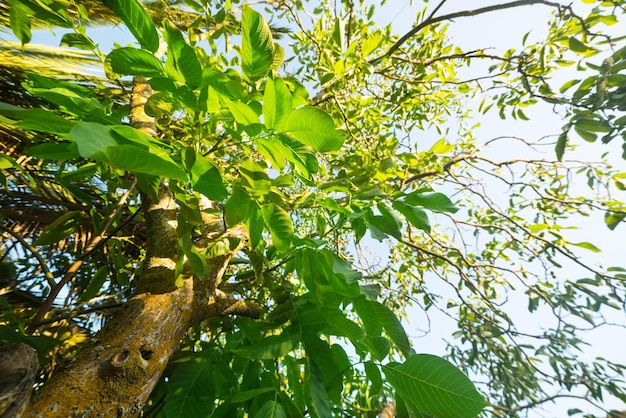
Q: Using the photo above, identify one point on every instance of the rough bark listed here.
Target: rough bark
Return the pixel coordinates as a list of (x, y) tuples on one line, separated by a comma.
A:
[(18, 363), (113, 375)]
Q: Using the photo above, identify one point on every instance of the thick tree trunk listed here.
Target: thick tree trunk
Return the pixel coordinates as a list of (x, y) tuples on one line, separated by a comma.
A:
[(113, 375)]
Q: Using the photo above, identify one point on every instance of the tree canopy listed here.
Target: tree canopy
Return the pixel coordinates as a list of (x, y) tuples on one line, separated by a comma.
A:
[(243, 208)]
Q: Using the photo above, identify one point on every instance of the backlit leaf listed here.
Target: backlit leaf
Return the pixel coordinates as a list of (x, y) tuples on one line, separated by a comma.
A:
[(280, 225), (132, 61), (431, 385), (257, 45), (138, 22), (315, 128), (437, 202), (277, 104), (19, 21)]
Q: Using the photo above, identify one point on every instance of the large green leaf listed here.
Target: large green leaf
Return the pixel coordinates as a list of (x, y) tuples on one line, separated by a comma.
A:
[(19, 21), (133, 61), (51, 12), (70, 97), (243, 113), (137, 21), (416, 216), (127, 152), (318, 400), (271, 409), (241, 208), (431, 385), (188, 394), (437, 202), (280, 225), (376, 315), (181, 57), (257, 45), (37, 119), (269, 348), (277, 104), (205, 178), (137, 160), (279, 148), (254, 178), (92, 138), (315, 128), (51, 151)]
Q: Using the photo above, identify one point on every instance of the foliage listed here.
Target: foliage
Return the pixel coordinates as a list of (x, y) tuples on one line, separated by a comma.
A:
[(313, 180)]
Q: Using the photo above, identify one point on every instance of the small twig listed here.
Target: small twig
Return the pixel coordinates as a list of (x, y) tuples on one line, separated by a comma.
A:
[(42, 263)]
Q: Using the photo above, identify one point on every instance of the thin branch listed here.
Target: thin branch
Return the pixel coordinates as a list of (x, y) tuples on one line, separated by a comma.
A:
[(42, 263), (431, 20), (73, 269)]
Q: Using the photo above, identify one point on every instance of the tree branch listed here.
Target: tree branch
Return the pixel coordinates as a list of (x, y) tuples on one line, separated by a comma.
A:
[(431, 20)]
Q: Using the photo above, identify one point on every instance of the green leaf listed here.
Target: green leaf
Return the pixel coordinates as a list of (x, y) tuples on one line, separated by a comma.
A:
[(373, 374), (441, 147), (137, 160), (566, 86), (160, 104), (78, 40), (257, 45), (92, 138), (38, 120), (376, 316), (319, 401), (561, 143), (138, 22), (588, 246), (61, 228), (592, 125), (277, 104), (205, 178), (250, 394), (182, 56), (189, 394), (132, 61), (278, 58), (578, 47), (269, 348), (586, 135), (130, 151), (255, 179), (271, 409), (612, 219), (57, 152), (431, 385), (19, 21), (95, 284), (51, 12), (393, 327), (242, 112), (280, 225), (416, 216), (437, 202), (315, 128), (237, 208), (70, 97)]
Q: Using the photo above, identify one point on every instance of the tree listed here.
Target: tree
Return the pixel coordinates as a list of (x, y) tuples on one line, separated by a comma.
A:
[(215, 213)]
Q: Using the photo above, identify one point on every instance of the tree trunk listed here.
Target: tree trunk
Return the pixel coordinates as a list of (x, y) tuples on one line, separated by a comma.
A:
[(113, 375)]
